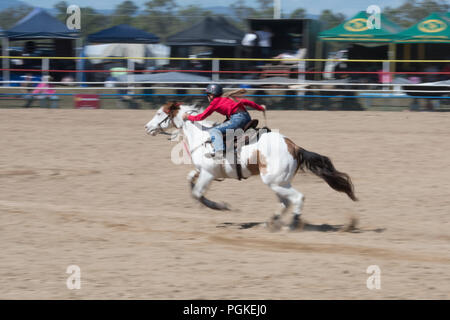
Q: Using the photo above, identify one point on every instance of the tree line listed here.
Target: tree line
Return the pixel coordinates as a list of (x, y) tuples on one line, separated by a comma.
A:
[(166, 17)]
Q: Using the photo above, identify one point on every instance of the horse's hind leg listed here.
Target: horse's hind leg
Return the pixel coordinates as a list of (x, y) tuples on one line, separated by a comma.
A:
[(275, 222), (294, 198)]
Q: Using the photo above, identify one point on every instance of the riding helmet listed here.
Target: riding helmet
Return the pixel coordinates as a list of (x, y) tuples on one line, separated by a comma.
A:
[(214, 89)]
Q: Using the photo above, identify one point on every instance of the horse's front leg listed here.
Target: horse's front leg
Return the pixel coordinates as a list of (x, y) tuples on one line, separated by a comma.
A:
[(200, 182), (192, 177)]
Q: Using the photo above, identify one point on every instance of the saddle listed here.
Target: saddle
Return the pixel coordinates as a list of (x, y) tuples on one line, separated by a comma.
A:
[(244, 139), (252, 124)]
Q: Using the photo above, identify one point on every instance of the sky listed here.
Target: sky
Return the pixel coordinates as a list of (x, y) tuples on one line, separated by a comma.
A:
[(347, 7)]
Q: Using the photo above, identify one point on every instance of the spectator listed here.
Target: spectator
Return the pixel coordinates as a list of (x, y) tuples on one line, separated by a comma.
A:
[(265, 42), (44, 93), (118, 79), (250, 42), (433, 75), (250, 39), (446, 69), (384, 77), (250, 48), (27, 84), (299, 54)]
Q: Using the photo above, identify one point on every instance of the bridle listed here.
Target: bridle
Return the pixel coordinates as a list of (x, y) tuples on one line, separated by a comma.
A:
[(171, 116), (162, 121)]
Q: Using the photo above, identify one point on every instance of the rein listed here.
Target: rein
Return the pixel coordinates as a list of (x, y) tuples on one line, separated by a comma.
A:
[(171, 117), (201, 144), (162, 121)]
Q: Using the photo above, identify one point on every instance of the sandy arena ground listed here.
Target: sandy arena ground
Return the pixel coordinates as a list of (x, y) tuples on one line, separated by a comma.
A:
[(90, 188)]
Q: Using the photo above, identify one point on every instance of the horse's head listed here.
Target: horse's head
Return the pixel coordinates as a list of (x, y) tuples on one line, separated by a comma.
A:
[(165, 118)]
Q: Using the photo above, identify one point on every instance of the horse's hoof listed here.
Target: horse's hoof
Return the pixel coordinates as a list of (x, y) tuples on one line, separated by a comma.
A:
[(352, 226), (274, 224), (297, 224)]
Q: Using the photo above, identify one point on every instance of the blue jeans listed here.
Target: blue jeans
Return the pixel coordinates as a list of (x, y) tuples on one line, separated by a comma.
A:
[(237, 120)]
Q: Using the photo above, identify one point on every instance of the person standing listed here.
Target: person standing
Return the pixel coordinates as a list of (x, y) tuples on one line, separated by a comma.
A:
[(265, 42)]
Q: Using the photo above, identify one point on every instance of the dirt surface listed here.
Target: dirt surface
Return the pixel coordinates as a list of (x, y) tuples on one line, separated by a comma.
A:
[(90, 188)]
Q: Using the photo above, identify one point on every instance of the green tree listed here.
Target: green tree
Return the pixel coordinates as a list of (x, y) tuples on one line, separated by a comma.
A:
[(190, 15), (92, 21), (10, 16), (61, 8), (331, 20), (411, 11), (242, 13), (159, 18), (265, 9), (299, 13), (124, 13)]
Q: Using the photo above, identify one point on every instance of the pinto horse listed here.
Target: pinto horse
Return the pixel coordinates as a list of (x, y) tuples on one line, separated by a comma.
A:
[(274, 157)]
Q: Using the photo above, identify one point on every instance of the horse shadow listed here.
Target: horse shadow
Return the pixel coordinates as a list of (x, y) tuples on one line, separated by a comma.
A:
[(306, 227)]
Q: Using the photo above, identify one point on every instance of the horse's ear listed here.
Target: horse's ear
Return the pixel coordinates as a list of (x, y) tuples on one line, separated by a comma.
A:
[(174, 105)]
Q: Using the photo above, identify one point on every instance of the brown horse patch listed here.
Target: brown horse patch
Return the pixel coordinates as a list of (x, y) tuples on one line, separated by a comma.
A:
[(256, 163)]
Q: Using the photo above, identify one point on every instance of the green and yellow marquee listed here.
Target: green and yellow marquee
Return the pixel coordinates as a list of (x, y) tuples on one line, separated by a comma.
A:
[(433, 29), (359, 29)]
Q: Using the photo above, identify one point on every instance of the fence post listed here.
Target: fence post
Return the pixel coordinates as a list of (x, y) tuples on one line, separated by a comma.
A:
[(392, 55), (301, 71), (386, 68), (5, 61), (130, 67), (215, 69), (45, 66), (80, 63)]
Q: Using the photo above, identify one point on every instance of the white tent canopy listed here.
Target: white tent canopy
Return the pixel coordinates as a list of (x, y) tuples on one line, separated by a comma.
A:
[(128, 50)]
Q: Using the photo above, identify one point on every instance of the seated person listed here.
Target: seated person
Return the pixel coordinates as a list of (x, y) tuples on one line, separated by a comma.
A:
[(44, 93), (300, 54), (231, 107), (27, 84)]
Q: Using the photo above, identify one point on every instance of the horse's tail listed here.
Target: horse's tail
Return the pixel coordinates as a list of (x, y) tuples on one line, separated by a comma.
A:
[(324, 168)]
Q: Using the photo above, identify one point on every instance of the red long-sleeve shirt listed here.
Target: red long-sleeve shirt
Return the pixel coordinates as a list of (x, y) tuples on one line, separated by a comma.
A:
[(225, 106)]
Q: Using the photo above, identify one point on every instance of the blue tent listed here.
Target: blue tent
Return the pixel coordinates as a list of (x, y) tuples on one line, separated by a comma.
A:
[(122, 33), (39, 24)]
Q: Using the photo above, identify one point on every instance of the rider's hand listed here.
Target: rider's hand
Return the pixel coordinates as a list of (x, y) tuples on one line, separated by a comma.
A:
[(264, 107), (185, 116)]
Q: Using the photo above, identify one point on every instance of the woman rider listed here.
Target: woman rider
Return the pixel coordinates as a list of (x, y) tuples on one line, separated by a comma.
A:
[(234, 110)]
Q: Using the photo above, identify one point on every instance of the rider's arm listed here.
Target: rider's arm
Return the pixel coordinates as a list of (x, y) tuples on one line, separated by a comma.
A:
[(205, 113), (252, 104)]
